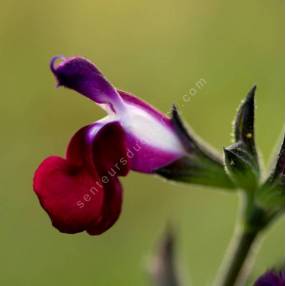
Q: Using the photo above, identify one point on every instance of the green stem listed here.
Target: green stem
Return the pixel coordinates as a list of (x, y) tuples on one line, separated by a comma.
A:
[(237, 266)]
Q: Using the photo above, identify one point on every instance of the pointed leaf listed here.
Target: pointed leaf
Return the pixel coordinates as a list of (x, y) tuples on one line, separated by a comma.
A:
[(271, 195), (240, 168), (278, 174), (244, 122), (241, 157)]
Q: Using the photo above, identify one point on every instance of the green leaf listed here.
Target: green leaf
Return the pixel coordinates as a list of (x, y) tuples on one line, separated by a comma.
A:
[(271, 195), (240, 167), (278, 174), (244, 123), (241, 158)]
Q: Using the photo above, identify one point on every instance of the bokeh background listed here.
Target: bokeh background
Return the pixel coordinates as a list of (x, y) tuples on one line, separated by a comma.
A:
[(158, 50)]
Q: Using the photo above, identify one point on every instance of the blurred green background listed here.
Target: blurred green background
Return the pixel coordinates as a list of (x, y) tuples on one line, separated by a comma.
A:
[(158, 50)]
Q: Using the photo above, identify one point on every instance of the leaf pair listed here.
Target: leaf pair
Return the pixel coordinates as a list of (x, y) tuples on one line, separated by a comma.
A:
[(240, 169)]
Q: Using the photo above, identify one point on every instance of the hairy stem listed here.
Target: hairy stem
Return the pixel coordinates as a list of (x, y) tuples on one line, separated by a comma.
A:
[(237, 265)]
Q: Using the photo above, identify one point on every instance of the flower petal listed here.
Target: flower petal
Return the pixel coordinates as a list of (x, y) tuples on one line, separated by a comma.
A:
[(81, 75), (152, 140), (64, 191), (111, 210), (82, 192), (271, 278), (94, 146), (110, 158)]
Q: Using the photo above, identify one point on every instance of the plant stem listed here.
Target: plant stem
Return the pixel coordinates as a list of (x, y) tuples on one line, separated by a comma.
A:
[(237, 267), (238, 260)]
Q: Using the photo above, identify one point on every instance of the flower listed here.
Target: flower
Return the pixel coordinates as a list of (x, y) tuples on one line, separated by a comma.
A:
[(82, 192), (271, 278), (144, 126)]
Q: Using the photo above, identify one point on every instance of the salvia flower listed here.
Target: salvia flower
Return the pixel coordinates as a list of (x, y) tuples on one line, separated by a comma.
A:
[(271, 278), (82, 192), (146, 128)]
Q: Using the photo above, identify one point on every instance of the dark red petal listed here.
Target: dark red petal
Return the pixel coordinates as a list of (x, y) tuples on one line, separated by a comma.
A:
[(83, 191), (69, 194), (110, 151), (80, 147), (110, 158), (111, 210), (101, 148)]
